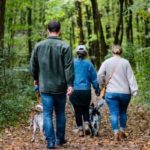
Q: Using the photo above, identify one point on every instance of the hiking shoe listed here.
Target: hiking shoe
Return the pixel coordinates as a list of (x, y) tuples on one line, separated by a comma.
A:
[(122, 135), (80, 133), (87, 128), (61, 142), (50, 145), (116, 137)]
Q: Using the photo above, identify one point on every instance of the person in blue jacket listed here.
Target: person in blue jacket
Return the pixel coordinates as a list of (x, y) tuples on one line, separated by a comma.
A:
[(85, 75)]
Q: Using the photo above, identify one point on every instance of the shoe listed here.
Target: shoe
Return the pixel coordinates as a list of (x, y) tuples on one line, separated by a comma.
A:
[(80, 132), (50, 145), (122, 135), (60, 143), (116, 137), (87, 128)]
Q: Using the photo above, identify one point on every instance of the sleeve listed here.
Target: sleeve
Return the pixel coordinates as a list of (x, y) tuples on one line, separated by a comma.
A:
[(68, 66), (131, 79), (34, 65), (101, 74), (94, 77)]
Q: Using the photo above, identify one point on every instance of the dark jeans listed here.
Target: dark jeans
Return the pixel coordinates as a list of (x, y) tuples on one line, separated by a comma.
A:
[(81, 111), (55, 102)]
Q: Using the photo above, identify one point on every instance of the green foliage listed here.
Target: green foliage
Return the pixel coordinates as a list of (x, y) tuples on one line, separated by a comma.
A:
[(140, 61), (17, 97)]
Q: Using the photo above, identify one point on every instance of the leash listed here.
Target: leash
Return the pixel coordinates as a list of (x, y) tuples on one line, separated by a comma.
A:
[(71, 106), (72, 112), (38, 97)]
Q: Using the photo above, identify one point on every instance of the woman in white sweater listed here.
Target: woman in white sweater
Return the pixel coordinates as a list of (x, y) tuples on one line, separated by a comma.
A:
[(117, 73)]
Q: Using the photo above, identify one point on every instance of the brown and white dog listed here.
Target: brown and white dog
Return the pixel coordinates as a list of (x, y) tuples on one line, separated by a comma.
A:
[(36, 121)]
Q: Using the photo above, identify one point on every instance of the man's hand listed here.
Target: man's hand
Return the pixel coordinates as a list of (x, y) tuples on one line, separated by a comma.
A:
[(36, 82), (36, 85), (69, 90)]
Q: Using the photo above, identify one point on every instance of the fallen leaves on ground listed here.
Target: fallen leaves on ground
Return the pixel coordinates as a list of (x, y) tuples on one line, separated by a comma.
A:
[(138, 132)]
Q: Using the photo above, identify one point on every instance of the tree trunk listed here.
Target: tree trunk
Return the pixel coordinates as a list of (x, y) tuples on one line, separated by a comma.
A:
[(137, 27), (147, 29), (2, 27), (119, 28), (89, 30), (129, 28), (29, 21), (96, 46), (79, 21), (99, 44)]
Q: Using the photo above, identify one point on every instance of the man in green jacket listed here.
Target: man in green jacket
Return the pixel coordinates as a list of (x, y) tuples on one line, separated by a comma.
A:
[(51, 66)]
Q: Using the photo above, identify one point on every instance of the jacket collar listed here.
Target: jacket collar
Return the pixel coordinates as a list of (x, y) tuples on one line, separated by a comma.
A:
[(54, 37)]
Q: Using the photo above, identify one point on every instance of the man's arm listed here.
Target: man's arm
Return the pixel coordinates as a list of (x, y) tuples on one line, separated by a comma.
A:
[(34, 66), (69, 69)]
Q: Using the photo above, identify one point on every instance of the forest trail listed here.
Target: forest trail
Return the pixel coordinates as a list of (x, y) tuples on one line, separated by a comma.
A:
[(138, 134)]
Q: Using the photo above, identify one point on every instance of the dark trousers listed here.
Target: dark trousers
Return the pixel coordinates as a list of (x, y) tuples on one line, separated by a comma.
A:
[(81, 111), (80, 100)]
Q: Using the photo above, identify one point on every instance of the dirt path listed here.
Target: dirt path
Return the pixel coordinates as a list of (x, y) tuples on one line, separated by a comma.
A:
[(138, 134)]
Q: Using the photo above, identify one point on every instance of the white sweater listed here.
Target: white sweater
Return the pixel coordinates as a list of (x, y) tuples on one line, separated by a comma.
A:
[(123, 79)]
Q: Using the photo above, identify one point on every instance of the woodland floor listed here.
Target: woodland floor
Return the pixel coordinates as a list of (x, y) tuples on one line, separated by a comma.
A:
[(138, 132)]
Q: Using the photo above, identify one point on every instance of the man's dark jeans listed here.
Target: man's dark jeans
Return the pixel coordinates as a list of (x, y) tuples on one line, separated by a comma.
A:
[(56, 102)]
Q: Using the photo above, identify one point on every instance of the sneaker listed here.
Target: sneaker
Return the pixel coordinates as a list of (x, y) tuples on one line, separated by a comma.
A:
[(50, 145), (60, 143), (116, 137), (122, 135), (80, 132), (87, 128)]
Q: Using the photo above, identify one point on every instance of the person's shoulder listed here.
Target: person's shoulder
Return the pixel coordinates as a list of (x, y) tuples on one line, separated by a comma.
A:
[(125, 61), (43, 42), (64, 43), (108, 60), (88, 63)]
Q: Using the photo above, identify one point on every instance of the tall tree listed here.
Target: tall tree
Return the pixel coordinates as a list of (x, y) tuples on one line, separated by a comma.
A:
[(79, 21), (99, 43), (129, 28), (2, 27), (119, 28), (29, 21)]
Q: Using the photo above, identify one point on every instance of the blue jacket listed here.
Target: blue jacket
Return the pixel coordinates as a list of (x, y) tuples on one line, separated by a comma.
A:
[(85, 75)]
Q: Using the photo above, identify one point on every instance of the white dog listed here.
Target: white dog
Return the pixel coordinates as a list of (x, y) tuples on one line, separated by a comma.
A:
[(37, 121)]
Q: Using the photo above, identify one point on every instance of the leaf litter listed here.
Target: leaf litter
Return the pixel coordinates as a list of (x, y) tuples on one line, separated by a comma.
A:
[(138, 132)]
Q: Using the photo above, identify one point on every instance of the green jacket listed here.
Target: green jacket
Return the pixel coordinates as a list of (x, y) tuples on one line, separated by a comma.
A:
[(52, 65)]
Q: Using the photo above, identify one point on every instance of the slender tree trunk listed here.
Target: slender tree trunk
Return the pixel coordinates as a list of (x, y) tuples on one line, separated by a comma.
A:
[(96, 45), (2, 29), (89, 30), (100, 44), (103, 46), (2, 26), (79, 21), (108, 27), (137, 27), (147, 29), (29, 21), (119, 28), (129, 28)]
